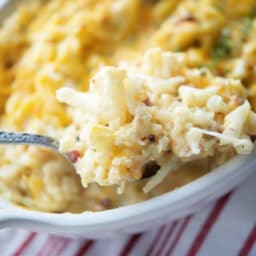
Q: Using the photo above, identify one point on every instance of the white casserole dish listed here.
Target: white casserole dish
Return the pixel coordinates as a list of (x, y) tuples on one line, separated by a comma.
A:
[(138, 217), (134, 218)]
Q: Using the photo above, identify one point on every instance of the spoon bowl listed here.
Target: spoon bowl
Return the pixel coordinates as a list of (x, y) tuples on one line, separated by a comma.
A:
[(21, 138)]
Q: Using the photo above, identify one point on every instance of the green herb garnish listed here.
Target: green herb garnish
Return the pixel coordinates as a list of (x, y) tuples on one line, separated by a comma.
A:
[(246, 26), (222, 48), (177, 49), (211, 65), (247, 22), (227, 71)]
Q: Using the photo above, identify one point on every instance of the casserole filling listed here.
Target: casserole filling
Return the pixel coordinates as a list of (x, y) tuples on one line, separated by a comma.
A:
[(179, 83), (153, 116)]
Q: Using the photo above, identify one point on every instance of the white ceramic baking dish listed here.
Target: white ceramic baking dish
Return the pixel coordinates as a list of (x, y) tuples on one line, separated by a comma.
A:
[(134, 218), (138, 217)]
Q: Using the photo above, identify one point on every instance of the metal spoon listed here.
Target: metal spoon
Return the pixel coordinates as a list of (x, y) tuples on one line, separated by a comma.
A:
[(33, 139), (51, 143)]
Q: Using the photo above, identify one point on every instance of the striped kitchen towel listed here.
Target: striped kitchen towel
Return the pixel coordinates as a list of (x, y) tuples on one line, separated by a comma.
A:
[(227, 228)]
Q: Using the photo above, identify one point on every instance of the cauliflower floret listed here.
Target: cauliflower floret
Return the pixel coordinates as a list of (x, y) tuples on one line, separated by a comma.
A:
[(194, 97), (235, 121), (161, 64), (193, 138), (216, 104), (108, 82)]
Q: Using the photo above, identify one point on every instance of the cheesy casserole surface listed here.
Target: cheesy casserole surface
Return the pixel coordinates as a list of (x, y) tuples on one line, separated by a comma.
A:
[(166, 85)]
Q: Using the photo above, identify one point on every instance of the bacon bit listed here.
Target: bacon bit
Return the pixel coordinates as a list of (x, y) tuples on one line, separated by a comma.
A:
[(250, 64), (151, 138), (253, 137), (237, 99), (103, 204), (220, 130), (106, 202), (201, 146), (73, 155), (147, 102), (150, 169), (187, 18), (8, 64)]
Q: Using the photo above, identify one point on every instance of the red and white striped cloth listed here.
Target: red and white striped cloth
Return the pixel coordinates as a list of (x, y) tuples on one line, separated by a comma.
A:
[(228, 227)]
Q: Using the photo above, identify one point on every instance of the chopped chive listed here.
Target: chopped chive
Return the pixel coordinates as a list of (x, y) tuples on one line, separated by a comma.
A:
[(222, 48)]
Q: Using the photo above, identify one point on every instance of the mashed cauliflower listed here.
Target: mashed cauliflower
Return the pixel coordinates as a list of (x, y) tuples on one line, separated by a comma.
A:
[(157, 111)]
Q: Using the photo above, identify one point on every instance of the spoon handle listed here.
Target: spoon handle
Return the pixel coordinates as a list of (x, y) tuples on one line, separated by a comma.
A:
[(27, 138)]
